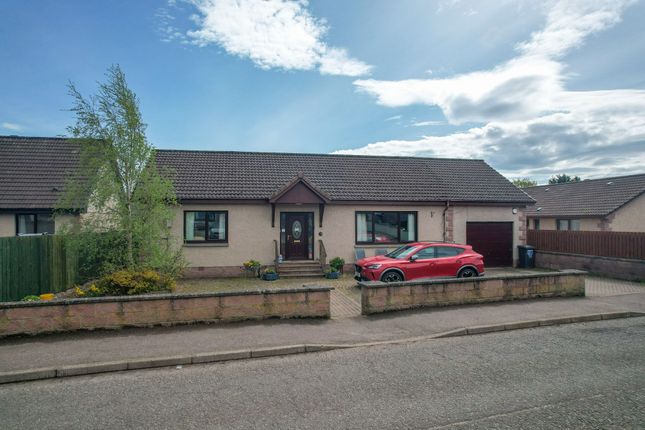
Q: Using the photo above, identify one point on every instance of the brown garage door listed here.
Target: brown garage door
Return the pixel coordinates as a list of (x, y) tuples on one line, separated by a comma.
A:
[(493, 240)]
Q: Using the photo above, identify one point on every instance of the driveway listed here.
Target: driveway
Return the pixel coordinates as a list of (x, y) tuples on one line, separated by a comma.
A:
[(346, 298)]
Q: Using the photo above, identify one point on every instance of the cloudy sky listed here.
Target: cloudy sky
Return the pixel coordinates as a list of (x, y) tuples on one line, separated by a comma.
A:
[(534, 88)]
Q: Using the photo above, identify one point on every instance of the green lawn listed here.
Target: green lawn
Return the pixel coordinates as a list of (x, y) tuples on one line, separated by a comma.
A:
[(246, 284)]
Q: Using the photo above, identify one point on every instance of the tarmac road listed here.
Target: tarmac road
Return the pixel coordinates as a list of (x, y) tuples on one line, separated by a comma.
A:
[(589, 375)]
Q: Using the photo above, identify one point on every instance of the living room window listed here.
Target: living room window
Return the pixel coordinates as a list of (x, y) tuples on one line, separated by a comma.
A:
[(386, 227), (34, 223), (206, 226)]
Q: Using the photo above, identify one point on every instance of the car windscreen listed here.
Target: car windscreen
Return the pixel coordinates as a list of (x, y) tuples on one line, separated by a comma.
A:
[(402, 252)]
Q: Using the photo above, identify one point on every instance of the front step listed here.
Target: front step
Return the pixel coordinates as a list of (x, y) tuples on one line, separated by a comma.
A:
[(294, 269)]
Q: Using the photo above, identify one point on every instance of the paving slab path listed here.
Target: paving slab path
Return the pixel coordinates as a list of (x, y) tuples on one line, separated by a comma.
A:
[(20, 353)]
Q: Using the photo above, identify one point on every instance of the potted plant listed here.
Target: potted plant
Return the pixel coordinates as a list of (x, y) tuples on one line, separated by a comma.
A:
[(332, 273), (252, 268), (270, 274), (337, 264), (335, 268)]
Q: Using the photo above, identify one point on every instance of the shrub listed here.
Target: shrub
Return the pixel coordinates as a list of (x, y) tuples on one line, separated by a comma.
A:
[(337, 264), (30, 299), (269, 270), (126, 282)]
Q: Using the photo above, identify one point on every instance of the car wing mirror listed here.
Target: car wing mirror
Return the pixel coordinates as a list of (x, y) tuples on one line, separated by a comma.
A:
[(414, 257)]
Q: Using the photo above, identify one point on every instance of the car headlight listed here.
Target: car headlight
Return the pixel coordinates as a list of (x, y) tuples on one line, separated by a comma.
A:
[(374, 266)]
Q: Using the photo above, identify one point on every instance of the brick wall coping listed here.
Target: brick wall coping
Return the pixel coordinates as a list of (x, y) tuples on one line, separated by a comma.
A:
[(440, 281), (147, 297), (599, 257)]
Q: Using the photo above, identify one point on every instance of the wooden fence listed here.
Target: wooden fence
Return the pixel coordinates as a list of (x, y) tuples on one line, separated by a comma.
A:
[(35, 265), (600, 243)]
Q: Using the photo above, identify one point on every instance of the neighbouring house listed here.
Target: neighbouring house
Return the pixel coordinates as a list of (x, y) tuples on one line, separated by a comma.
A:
[(608, 204), (300, 208), (33, 173)]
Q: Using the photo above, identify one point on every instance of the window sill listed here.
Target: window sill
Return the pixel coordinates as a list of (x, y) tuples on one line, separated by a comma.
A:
[(205, 244)]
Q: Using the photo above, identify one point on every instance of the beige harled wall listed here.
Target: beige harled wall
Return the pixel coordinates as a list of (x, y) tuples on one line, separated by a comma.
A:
[(251, 235), (7, 225), (630, 217), (339, 227), (464, 214)]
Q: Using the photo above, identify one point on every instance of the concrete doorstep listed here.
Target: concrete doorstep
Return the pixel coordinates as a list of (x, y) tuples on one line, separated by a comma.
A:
[(212, 357)]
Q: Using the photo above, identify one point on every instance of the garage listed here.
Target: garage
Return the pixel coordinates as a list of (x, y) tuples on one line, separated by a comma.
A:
[(494, 240)]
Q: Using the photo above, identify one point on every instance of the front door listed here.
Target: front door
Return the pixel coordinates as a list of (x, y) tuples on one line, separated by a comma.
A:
[(296, 244)]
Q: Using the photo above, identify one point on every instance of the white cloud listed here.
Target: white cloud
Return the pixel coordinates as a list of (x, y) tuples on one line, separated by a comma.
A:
[(394, 118), (273, 34), (570, 22), (336, 61), (11, 126), (426, 123), (529, 117)]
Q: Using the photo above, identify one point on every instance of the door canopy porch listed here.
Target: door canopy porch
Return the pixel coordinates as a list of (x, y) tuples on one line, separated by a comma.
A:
[(298, 192)]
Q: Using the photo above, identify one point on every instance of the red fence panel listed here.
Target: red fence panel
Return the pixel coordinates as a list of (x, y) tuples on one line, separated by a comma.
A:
[(601, 243)]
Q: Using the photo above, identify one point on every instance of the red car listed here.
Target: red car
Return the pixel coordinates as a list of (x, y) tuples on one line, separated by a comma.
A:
[(421, 260)]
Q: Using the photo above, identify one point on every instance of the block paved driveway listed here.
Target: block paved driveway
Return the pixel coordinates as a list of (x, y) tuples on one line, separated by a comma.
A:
[(346, 300), (601, 287)]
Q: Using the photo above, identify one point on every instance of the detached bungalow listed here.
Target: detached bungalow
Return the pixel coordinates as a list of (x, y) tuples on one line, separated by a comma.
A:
[(608, 204), (298, 209)]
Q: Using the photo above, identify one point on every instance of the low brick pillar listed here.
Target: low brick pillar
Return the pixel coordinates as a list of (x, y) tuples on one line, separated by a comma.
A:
[(161, 309), (379, 297)]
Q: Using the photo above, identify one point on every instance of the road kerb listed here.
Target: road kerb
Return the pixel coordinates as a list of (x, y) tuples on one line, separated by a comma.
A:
[(27, 375), (278, 350), (146, 363), (614, 315), (452, 333), (480, 329), (211, 357), (88, 369)]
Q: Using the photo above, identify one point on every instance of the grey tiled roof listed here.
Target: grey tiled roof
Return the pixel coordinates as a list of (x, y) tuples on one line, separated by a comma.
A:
[(597, 197), (201, 175), (33, 171)]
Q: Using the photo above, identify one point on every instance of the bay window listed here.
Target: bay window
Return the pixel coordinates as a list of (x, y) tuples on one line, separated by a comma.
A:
[(386, 227), (206, 226)]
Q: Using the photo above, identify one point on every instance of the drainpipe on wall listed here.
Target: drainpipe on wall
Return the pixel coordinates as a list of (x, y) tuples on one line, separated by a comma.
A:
[(445, 233)]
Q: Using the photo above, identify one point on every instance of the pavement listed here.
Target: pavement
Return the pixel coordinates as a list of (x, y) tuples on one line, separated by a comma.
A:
[(575, 376), (139, 346)]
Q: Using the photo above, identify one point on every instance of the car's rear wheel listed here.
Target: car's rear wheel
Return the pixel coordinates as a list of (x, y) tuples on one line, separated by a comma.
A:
[(392, 276), (467, 272)]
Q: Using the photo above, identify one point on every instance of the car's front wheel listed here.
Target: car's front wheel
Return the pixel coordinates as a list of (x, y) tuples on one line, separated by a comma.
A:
[(392, 276), (467, 272)]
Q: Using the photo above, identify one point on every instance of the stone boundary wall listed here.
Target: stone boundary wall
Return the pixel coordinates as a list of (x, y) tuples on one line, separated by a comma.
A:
[(620, 268), (379, 297), (161, 309), (213, 272)]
